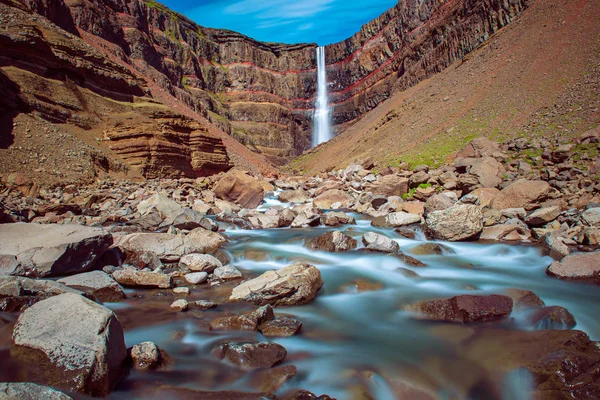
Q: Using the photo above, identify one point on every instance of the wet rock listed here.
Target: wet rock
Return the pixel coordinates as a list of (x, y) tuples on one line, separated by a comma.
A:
[(396, 219), (52, 250), (181, 290), (578, 266), (96, 283), (264, 221), (180, 393), (505, 232), (521, 193), (147, 356), (17, 293), (293, 196), (240, 188), (292, 285), (464, 308), (361, 285), (196, 278), (30, 391), (227, 273), (248, 355), (245, 322), (306, 395), (377, 242), (72, 343), (306, 218), (134, 278), (337, 218), (333, 241), (280, 327), (554, 317), (407, 233), (286, 217), (542, 216), (272, 379), (179, 305), (200, 262), (326, 199), (431, 248), (460, 222), (205, 304), (169, 247), (523, 299)]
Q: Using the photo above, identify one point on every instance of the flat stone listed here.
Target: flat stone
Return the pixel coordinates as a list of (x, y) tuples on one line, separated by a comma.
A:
[(96, 283), (52, 250), (521, 193), (196, 277), (431, 249), (200, 262), (280, 327), (332, 241), (464, 308), (179, 305), (129, 277), (542, 216), (378, 242), (227, 273), (591, 217), (17, 293), (181, 290), (205, 304), (459, 222), (71, 342), (30, 391), (577, 266), (248, 355), (396, 219), (326, 199)]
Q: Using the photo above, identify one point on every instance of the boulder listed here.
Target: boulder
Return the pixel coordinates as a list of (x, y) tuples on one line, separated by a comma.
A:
[(72, 343), (227, 273), (52, 250), (17, 293), (248, 355), (431, 249), (554, 317), (333, 241), (30, 391), (280, 327), (521, 193), (161, 203), (306, 218), (262, 221), (396, 219), (240, 188), (488, 172), (135, 278), (389, 185), (542, 216), (437, 202), (96, 283), (485, 195), (464, 308), (197, 262), (378, 242), (335, 218), (523, 299), (169, 247), (505, 232), (147, 355), (292, 285), (293, 196), (459, 222), (326, 199), (577, 266), (195, 278), (591, 217), (179, 305)]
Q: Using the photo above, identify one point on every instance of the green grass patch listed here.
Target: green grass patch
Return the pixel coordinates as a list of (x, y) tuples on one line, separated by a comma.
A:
[(411, 192)]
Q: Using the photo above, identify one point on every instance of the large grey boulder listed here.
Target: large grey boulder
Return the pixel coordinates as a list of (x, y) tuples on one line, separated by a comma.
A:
[(168, 247), (292, 285), (459, 222), (30, 391), (96, 283), (52, 249), (17, 292), (72, 343)]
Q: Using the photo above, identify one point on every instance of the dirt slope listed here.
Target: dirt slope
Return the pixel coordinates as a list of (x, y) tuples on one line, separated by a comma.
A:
[(538, 76)]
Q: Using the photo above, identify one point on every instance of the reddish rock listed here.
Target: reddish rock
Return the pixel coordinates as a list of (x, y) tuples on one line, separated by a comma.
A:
[(281, 327), (521, 193), (240, 188), (248, 355), (464, 308), (333, 241), (578, 266)]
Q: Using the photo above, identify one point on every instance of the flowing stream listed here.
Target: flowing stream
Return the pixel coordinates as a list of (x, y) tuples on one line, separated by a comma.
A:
[(356, 341), (322, 116)]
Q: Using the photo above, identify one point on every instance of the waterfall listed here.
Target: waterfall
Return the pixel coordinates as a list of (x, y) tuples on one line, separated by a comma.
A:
[(322, 117)]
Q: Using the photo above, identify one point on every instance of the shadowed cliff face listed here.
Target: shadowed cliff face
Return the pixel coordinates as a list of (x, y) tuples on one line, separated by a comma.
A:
[(263, 94)]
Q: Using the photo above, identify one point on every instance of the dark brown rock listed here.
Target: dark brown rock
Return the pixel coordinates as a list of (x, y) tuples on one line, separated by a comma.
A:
[(247, 355), (281, 327), (333, 241), (464, 308)]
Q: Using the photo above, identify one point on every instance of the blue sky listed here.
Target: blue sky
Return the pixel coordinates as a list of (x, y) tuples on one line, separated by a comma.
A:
[(287, 21)]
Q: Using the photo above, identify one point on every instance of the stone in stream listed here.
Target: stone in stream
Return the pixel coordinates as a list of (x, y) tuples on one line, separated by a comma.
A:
[(431, 248), (332, 241), (227, 273), (464, 308), (147, 355), (72, 343), (240, 188), (554, 317), (181, 290), (196, 278), (179, 305), (244, 322), (17, 293), (96, 283), (578, 266), (280, 327), (327, 199), (262, 221), (135, 278), (378, 242), (200, 262), (293, 196), (459, 222), (292, 285), (204, 304), (271, 379), (169, 247), (250, 355), (396, 219), (30, 391), (505, 232), (52, 250), (306, 218), (181, 393), (523, 299)]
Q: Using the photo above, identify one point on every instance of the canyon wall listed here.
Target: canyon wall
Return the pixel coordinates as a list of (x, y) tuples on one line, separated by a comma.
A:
[(262, 94)]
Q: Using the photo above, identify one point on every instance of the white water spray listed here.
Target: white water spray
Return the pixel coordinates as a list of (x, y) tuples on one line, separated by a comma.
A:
[(322, 117)]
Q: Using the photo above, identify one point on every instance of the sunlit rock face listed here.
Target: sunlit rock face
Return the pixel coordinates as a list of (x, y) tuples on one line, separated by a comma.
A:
[(264, 94)]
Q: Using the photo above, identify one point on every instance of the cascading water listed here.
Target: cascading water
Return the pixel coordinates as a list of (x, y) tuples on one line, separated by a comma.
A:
[(322, 117)]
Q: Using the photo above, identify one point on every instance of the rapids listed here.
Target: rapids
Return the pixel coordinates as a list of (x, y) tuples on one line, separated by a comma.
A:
[(354, 344)]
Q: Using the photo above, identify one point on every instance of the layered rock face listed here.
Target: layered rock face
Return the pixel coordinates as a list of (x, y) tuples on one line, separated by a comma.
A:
[(263, 94)]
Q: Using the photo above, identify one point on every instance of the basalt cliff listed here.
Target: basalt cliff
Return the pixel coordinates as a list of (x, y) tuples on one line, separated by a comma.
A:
[(155, 92)]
